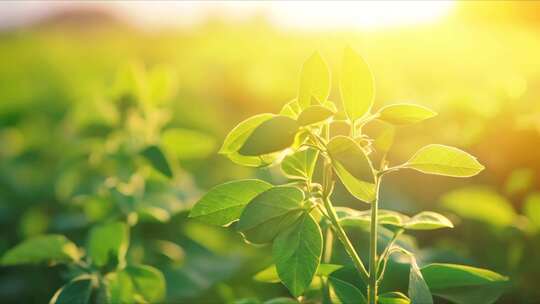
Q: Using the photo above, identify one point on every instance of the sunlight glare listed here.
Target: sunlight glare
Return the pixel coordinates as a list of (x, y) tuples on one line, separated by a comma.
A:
[(307, 15), (362, 14)]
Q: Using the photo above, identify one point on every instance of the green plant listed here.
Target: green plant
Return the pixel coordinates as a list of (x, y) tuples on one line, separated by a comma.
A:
[(119, 176), (299, 218)]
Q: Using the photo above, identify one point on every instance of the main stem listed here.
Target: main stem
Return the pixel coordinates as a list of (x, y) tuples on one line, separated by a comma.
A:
[(373, 263), (329, 243), (338, 229), (331, 213), (342, 236)]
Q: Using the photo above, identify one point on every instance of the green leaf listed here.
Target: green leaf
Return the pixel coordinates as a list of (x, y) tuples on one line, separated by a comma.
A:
[(425, 220), (393, 298), (187, 144), (357, 86), (345, 292), (384, 139), (297, 253), (300, 164), (325, 270), (402, 114), (531, 209), (267, 275), (267, 231), (253, 161), (314, 81), (272, 135), (148, 282), (108, 241), (224, 203), (444, 160), (77, 291), (272, 210), (418, 289), (157, 159), (480, 204), (314, 114), (428, 220), (238, 135), (353, 167), (51, 248), (353, 218), (120, 287), (270, 275), (291, 109), (464, 284)]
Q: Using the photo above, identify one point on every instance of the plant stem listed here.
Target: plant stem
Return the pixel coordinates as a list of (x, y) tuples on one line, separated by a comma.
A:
[(342, 236), (373, 264), (331, 213), (329, 243), (336, 226)]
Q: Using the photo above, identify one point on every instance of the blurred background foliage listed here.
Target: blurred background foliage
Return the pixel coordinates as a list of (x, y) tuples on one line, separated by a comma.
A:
[(68, 84)]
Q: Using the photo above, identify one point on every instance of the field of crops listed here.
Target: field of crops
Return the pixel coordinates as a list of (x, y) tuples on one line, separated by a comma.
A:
[(139, 167)]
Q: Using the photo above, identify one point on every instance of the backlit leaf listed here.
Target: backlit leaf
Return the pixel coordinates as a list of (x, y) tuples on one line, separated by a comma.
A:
[(402, 114), (110, 240), (346, 292), (238, 135), (314, 81), (428, 220), (356, 85), (272, 135), (384, 139), (464, 284), (444, 160), (418, 289), (224, 203), (267, 231), (291, 109), (272, 210), (253, 161), (393, 298), (51, 248), (353, 167), (300, 164), (314, 114), (297, 253), (353, 218), (148, 282), (120, 287), (270, 275)]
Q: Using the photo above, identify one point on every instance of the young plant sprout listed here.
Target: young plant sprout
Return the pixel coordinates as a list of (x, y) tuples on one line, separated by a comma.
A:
[(292, 217)]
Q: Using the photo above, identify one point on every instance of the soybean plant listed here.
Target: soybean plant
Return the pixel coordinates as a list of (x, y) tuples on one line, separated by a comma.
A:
[(121, 176), (291, 218)]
